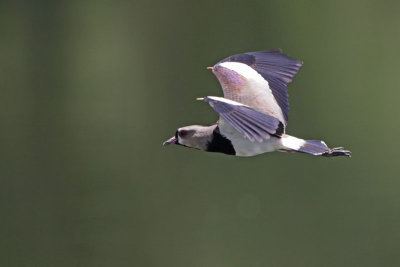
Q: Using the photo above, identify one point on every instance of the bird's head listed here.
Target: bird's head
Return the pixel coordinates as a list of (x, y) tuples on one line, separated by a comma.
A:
[(194, 136)]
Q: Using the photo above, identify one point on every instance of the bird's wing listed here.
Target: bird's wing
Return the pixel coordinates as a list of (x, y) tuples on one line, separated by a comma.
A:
[(252, 124), (276, 68)]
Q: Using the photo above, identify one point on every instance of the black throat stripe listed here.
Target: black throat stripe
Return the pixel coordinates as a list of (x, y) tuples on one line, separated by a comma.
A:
[(220, 144)]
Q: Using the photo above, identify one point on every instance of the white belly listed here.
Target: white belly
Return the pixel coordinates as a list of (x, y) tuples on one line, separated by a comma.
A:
[(243, 146)]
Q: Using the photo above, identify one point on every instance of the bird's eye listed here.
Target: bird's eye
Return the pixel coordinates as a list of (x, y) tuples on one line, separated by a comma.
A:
[(182, 133)]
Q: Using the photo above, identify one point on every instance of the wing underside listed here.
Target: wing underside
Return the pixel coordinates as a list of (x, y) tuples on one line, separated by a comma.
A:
[(276, 68), (252, 124)]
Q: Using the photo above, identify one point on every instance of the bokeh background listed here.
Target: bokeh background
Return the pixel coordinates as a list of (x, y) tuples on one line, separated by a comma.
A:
[(89, 90)]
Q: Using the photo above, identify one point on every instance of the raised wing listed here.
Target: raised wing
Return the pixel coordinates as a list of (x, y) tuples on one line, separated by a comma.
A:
[(275, 67), (252, 124)]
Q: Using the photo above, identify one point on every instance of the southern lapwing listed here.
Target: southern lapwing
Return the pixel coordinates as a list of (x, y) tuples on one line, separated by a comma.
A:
[(254, 110)]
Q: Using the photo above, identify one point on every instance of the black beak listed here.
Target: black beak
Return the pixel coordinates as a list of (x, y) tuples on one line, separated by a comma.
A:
[(172, 140)]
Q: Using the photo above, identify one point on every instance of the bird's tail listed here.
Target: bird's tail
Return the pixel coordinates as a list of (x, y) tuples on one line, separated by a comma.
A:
[(313, 147)]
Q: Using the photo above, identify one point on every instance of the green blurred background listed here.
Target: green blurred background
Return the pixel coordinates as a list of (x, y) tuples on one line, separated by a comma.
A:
[(89, 90)]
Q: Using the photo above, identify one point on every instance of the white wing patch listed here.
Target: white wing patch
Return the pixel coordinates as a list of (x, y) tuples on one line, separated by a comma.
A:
[(255, 92), (225, 100), (242, 69)]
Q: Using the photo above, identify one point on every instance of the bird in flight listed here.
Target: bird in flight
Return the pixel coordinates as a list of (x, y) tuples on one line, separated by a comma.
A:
[(253, 113)]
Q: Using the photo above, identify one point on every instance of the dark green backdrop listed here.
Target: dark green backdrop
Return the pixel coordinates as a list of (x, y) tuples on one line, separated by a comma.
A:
[(89, 90)]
